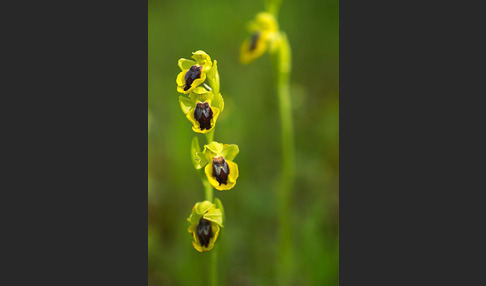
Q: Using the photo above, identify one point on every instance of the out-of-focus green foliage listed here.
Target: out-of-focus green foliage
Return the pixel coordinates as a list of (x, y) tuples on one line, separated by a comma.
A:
[(247, 244)]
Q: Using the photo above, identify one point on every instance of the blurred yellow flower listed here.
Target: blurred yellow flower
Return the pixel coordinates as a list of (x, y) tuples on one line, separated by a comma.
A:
[(264, 34)]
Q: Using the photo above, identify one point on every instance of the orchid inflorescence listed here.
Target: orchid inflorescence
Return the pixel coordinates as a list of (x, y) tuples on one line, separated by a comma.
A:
[(202, 104), (265, 35)]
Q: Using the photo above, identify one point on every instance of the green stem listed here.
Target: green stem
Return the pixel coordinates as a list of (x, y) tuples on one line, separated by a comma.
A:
[(282, 63), (273, 6), (213, 81), (213, 276), (208, 190), (208, 195), (210, 136)]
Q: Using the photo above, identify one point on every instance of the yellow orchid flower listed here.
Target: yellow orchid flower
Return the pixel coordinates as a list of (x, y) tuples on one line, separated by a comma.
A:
[(202, 109), (219, 168), (193, 72), (205, 220)]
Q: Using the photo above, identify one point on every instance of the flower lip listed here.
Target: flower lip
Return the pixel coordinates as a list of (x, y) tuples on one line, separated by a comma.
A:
[(204, 232), (254, 40), (203, 114), (220, 170), (193, 73)]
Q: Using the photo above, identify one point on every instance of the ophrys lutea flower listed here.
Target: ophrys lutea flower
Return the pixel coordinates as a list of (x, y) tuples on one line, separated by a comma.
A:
[(193, 72), (202, 109), (221, 171), (205, 221), (263, 37)]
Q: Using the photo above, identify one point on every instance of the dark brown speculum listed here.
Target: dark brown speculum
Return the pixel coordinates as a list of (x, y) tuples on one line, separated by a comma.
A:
[(204, 232), (254, 40), (203, 114), (220, 170), (193, 73)]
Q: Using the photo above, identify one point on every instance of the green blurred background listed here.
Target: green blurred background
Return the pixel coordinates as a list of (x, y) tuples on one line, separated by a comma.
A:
[(247, 246)]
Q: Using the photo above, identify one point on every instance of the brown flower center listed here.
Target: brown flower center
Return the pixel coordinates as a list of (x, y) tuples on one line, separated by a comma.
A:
[(203, 114), (254, 40), (204, 232), (220, 170), (193, 73)]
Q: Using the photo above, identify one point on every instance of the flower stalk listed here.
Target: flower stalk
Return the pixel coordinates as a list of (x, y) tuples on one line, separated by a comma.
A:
[(273, 6), (202, 103), (267, 36), (210, 136), (282, 64), (208, 190)]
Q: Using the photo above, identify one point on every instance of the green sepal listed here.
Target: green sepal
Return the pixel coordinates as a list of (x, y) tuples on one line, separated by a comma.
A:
[(194, 218), (218, 102), (219, 205), (213, 77), (185, 64), (198, 159), (186, 104), (230, 151)]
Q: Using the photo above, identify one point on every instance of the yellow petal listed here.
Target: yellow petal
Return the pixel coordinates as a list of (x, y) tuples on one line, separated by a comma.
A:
[(180, 78), (197, 246), (233, 175), (193, 230)]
